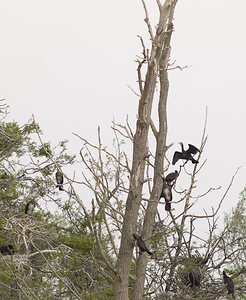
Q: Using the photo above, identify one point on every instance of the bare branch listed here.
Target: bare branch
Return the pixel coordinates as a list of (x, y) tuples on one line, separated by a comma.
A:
[(147, 21)]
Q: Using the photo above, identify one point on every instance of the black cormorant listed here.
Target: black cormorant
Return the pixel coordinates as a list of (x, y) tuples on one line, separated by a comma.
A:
[(140, 244), (195, 277), (7, 250), (196, 266), (185, 154), (59, 180), (30, 207), (229, 283), (166, 193), (171, 178)]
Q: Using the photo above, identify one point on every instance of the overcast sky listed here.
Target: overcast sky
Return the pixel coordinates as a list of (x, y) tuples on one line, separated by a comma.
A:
[(70, 63)]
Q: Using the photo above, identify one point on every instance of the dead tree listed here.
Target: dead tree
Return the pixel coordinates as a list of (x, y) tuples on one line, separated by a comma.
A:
[(156, 71)]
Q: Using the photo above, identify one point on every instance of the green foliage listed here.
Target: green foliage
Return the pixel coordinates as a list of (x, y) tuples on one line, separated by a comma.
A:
[(11, 139), (7, 278), (57, 254), (30, 128), (82, 244), (8, 188), (27, 172), (45, 150), (235, 221)]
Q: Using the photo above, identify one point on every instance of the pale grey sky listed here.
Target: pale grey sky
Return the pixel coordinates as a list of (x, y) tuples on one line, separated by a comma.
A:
[(69, 64)]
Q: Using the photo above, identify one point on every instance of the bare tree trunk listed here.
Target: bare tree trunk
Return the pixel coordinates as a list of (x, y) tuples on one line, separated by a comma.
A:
[(140, 153), (149, 219), (157, 65)]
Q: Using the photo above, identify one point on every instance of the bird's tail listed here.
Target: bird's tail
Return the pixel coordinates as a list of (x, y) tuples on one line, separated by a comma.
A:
[(167, 206), (194, 161), (60, 186)]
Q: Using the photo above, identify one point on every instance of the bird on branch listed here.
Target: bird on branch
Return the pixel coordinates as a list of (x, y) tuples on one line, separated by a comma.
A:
[(229, 283), (141, 244), (166, 193), (7, 250), (186, 154), (59, 180), (171, 178), (195, 269), (30, 207), (195, 277)]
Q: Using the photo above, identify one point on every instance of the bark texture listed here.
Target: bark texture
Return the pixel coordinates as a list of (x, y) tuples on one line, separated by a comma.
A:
[(157, 70)]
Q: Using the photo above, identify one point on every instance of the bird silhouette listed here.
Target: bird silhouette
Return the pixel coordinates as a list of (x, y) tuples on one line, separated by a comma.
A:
[(7, 250), (166, 193), (229, 283), (195, 277), (30, 207), (59, 180), (195, 268), (186, 154), (141, 244)]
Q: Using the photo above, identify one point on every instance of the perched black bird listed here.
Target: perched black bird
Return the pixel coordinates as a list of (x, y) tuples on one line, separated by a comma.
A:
[(195, 277), (140, 244), (59, 180), (229, 283), (166, 193), (171, 178), (195, 269), (7, 250), (185, 154), (30, 207)]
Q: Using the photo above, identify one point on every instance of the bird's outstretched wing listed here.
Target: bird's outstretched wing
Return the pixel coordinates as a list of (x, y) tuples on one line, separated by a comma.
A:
[(192, 149), (176, 156)]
